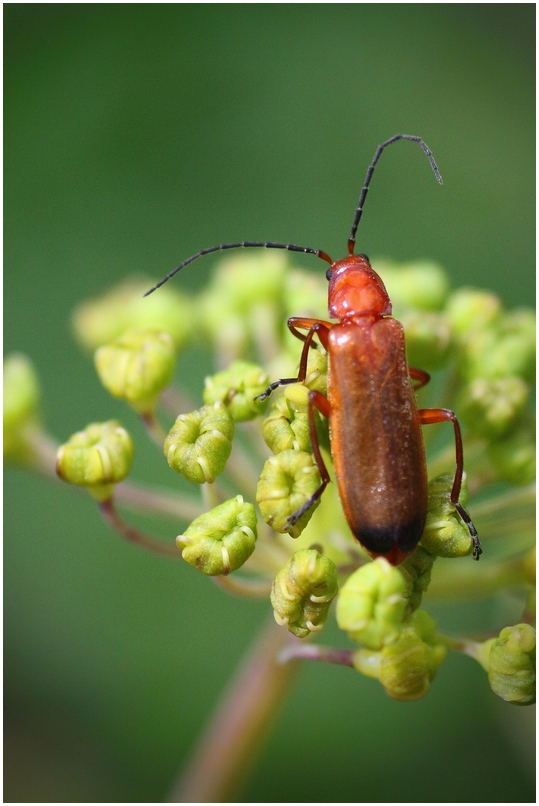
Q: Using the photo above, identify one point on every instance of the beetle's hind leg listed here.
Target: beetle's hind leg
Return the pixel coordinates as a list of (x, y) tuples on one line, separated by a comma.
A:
[(477, 550), (429, 416)]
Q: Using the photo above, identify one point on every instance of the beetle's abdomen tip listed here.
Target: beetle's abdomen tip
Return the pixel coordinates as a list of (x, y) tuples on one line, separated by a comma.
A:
[(395, 542), (395, 556)]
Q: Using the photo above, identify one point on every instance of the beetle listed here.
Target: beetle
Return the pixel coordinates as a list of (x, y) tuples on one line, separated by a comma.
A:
[(375, 425)]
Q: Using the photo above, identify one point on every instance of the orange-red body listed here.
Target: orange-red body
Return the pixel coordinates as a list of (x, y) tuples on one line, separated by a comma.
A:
[(375, 427), (376, 439)]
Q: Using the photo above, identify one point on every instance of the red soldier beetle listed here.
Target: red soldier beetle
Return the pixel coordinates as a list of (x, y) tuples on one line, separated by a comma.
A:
[(375, 425)]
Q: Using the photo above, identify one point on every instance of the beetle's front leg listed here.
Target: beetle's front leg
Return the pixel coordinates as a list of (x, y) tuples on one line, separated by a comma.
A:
[(420, 376), (314, 327)]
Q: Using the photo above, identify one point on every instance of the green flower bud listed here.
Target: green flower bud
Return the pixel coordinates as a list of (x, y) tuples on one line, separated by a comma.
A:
[(137, 366), (97, 458), (305, 294), (419, 567), (238, 387), (297, 394), (101, 320), (470, 309), (519, 335), (250, 278), (220, 541), (224, 328), (506, 348), (406, 667), (422, 284), (428, 339), (287, 482), (21, 400), (445, 535), (510, 662), (410, 664), (368, 662), (303, 591), (513, 455), (317, 372), (21, 390), (240, 286), (489, 407), (372, 604), (287, 426), (199, 443)]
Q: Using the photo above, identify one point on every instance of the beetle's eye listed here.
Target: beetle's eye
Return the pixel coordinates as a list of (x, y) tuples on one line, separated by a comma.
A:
[(366, 257), (328, 274)]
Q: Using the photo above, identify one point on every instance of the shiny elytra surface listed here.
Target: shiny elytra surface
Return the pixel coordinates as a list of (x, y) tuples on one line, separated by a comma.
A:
[(376, 438)]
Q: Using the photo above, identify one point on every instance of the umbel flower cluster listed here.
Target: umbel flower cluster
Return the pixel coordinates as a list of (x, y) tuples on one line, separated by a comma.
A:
[(262, 450)]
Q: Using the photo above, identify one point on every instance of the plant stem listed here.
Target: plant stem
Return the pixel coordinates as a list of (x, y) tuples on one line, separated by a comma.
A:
[(175, 401), (133, 535), (140, 498), (242, 586), (235, 732), (155, 430), (326, 654), (45, 449)]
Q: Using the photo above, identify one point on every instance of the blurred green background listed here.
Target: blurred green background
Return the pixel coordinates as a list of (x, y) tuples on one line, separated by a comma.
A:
[(136, 135)]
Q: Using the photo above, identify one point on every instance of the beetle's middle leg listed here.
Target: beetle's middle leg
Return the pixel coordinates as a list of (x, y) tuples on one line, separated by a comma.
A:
[(320, 328), (318, 401)]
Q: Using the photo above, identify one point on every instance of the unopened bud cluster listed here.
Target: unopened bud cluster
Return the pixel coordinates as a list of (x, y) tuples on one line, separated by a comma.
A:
[(97, 458), (407, 666), (489, 354), (445, 535), (510, 662), (199, 444), (303, 591), (221, 540), (21, 408), (137, 366)]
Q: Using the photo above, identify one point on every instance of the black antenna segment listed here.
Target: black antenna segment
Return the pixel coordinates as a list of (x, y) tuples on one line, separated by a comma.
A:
[(242, 245), (365, 188)]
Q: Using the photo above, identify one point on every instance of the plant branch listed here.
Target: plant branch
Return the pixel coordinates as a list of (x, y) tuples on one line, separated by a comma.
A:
[(140, 498), (242, 586), (133, 535), (235, 732), (155, 430)]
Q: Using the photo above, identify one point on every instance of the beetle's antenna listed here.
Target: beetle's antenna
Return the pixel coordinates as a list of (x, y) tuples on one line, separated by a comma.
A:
[(242, 245), (365, 188)]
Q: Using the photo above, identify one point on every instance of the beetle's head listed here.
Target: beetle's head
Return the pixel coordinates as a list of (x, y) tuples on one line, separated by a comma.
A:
[(355, 289)]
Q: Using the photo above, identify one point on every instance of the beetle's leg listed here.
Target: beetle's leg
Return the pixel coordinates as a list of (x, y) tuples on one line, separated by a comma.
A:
[(428, 416), (319, 325), (314, 326), (316, 400), (419, 375)]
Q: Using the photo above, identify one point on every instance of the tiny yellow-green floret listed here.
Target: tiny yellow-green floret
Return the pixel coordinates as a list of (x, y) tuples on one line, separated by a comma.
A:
[(199, 443), (98, 457), (220, 541), (137, 366), (303, 591)]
